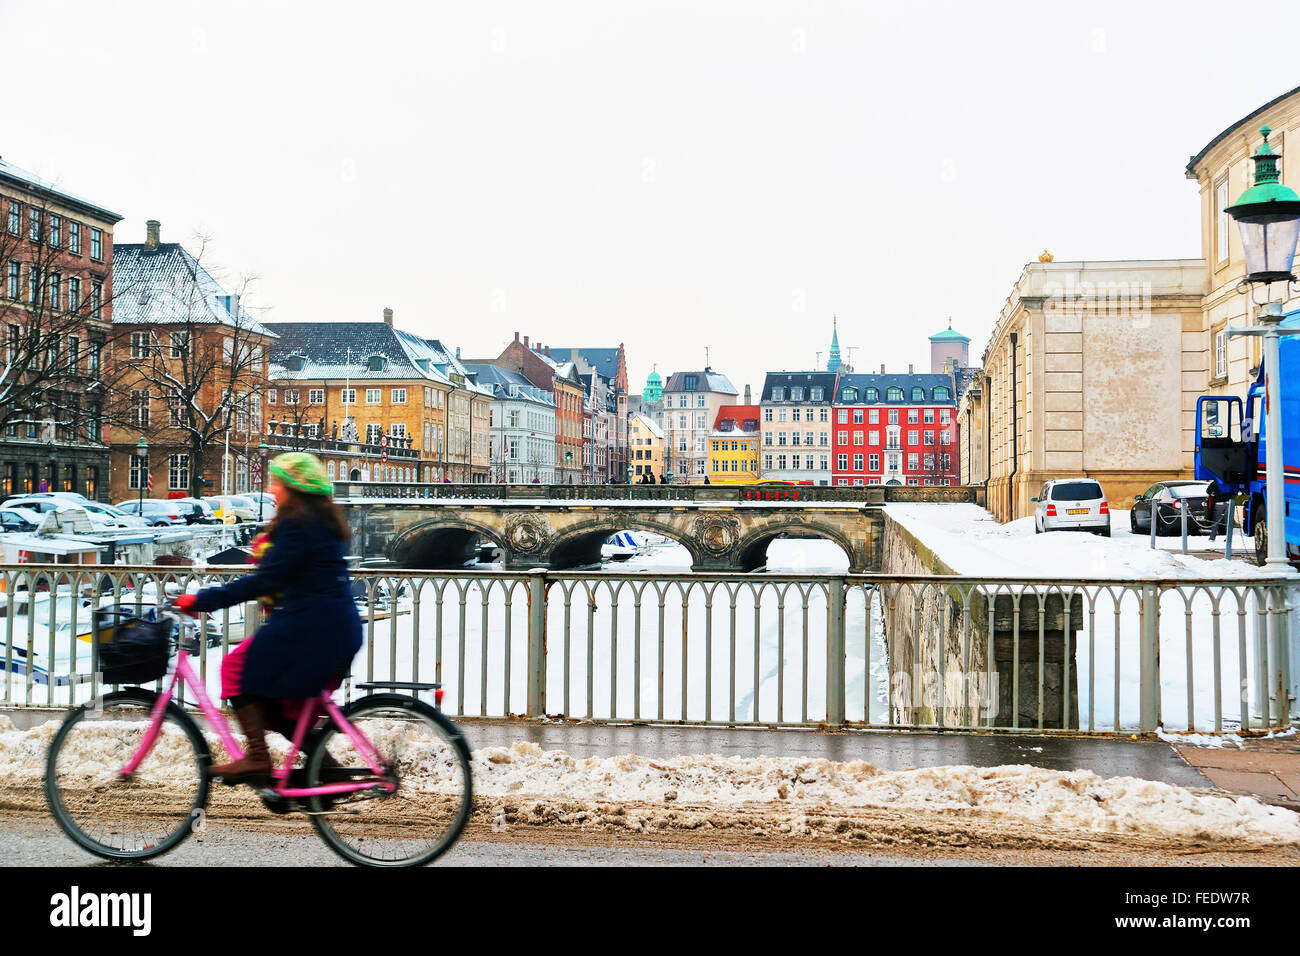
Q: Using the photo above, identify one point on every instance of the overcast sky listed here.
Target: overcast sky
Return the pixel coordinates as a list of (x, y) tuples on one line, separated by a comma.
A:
[(673, 176)]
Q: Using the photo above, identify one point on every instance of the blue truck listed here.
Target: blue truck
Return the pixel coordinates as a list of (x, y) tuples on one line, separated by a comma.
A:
[(1231, 447)]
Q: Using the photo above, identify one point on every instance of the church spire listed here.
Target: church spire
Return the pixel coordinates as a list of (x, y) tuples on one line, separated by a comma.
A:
[(833, 363)]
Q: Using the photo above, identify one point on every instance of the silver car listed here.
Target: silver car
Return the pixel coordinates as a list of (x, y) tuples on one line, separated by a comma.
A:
[(1072, 504)]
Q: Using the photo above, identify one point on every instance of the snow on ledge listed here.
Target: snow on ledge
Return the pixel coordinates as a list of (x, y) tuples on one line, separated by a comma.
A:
[(971, 542)]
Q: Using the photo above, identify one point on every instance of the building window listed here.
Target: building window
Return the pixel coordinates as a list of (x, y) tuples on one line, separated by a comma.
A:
[(843, 416), (373, 396), (398, 430), (74, 354), (767, 414), (74, 238), (97, 245), (941, 394), (1221, 353), (15, 280), (316, 396), (74, 294), (140, 344), (15, 217), (857, 416), (34, 225), (96, 300), (56, 235), (912, 462), (945, 437), (348, 396), (372, 434), (399, 396), (93, 425), (767, 462), (894, 394), (857, 462), (928, 416), (857, 438), (270, 396), (174, 410), (912, 417), (929, 438), (139, 409), (1221, 219), (816, 395), (290, 396), (874, 462), (178, 472), (912, 436), (33, 286), (135, 474), (843, 462), (96, 349), (796, 394), (180, 342)]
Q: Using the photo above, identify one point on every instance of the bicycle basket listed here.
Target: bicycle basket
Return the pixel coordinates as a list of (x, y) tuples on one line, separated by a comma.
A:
[(138, 652)]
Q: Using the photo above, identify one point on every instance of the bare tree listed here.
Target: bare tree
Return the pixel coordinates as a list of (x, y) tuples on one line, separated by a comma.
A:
[(187, 341), (299, 422), (54, 304)]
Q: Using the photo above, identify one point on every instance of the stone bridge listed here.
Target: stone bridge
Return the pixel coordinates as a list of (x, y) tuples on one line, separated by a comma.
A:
[(725, 528)]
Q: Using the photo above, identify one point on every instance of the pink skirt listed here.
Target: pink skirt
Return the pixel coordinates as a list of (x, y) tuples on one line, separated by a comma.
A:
[(232, 673)]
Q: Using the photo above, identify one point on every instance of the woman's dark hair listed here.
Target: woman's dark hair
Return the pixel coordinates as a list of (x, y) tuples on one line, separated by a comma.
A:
[(320, 509)]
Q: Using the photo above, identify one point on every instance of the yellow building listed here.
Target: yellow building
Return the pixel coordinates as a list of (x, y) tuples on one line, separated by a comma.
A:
[(733, 446), (647, 448)]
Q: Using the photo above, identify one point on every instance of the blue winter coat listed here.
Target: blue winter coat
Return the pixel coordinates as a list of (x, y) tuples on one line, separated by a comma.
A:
[(314, 630)]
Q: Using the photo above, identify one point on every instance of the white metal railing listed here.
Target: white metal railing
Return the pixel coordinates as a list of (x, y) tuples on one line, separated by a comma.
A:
[(869, 650)]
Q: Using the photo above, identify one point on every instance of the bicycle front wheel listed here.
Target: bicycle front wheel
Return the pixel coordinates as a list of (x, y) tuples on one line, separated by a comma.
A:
[(426, 758), (127, 817)]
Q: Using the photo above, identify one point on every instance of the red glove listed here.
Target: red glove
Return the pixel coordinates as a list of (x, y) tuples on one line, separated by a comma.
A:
[(185, 604)]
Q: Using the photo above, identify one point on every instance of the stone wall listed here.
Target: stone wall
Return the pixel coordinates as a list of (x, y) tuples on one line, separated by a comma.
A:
[(927, 623)]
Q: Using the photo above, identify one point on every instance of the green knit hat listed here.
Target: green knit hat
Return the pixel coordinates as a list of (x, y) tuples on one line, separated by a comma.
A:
[(303, 472)]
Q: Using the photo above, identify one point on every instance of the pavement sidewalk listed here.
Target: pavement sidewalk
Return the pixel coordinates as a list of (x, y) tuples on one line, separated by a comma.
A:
[(1268, 767)]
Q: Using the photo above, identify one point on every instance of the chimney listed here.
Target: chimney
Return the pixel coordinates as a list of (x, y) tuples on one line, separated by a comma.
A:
[(516, 336), (909, 368), (747, 401), (548, 351), (151, 231), (525, 341), (882, 368), (458, 353), (388, 316)]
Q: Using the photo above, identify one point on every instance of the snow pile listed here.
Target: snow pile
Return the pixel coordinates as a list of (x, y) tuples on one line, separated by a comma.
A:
[(1079, 800), (1213, 741), (1019, 796), (970, 541)]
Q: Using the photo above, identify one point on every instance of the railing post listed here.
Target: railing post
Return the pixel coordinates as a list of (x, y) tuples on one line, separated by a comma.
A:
[(536, 643), (1150, 660), (835, 652)]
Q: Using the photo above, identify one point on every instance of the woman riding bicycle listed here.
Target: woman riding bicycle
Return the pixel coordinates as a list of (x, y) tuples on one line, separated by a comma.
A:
[(314, 630)]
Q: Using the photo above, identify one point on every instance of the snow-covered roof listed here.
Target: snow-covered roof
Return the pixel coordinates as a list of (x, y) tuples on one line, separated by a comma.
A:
[(705, 381), (29, 180), (339, 350), (168, 286), (649, 425)]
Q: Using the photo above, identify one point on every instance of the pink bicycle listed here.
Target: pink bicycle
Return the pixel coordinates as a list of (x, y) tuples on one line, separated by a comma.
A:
[(384, 780)]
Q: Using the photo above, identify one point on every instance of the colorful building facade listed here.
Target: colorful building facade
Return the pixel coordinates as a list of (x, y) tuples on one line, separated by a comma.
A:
[(894, 430)]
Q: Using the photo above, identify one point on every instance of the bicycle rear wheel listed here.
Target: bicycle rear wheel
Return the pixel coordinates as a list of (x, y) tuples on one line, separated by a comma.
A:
[(428, 760), (133, 818)]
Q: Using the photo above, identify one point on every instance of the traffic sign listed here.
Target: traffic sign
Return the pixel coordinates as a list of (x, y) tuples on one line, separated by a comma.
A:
[(383, 441)]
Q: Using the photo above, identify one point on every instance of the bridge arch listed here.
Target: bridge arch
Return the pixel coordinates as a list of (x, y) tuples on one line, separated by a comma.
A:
[(579, 544), (751, 550), (441, 543)]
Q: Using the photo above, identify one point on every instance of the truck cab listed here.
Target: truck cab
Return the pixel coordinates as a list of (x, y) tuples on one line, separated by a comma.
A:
[(1232, 447)]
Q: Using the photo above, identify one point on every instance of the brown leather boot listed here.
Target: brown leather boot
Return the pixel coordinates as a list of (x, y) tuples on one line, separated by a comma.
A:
[(255, 765)]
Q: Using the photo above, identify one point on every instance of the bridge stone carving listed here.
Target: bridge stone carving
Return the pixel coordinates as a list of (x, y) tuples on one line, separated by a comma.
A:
[(725, 528)]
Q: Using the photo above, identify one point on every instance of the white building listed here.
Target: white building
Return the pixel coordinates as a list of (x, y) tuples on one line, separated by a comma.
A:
[(523, 427)]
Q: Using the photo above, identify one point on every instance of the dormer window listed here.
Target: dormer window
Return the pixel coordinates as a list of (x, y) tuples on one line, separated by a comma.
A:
[(376, 363), (872, 395), (294, 363), (849, 395), (895, 394), (941, 394), (918, 394)]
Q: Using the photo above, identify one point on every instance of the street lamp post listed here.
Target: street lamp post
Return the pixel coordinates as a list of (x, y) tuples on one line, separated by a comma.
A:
[(1268, 220), (261, 452), (142, 453)]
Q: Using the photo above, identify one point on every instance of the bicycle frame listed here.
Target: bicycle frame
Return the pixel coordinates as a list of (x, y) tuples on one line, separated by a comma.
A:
[(184, 672)]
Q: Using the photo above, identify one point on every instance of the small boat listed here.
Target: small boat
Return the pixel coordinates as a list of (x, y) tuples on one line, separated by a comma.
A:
[(621, 546)]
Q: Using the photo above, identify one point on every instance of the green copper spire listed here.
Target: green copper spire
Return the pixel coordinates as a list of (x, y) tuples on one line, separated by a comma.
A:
[(654, 387), (833, 364)]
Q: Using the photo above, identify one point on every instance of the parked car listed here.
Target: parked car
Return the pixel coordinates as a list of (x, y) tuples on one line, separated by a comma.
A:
[(1072, 504), (268, 504), (196, 511), (159, 514), (234, 508), (19, 519), (1169, 499), (114, 517), (38, 503)]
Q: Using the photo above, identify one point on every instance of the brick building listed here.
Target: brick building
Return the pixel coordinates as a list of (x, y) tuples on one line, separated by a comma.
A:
[(56, 309), (190, 366), (894, 430)]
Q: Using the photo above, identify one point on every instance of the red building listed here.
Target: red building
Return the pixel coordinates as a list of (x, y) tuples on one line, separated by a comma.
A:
[(894, 430)]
